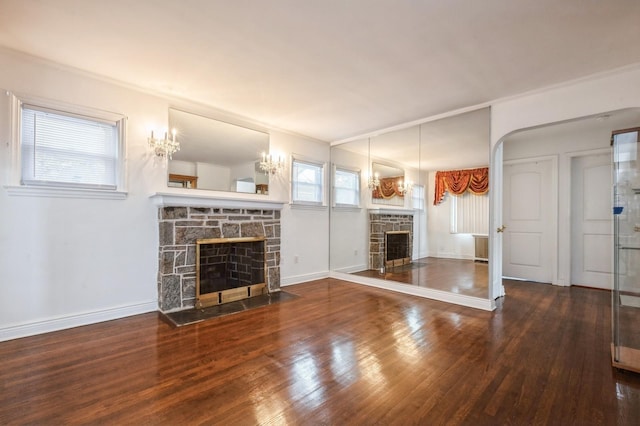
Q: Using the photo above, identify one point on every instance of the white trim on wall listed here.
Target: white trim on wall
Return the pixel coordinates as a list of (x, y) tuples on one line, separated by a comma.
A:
[(299, 279), (75, 320), (427, 293)]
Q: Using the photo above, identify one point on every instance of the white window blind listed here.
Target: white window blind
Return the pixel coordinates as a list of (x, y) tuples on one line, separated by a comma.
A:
[(346, 187), (63, 149), (307, 182), (469, 213)]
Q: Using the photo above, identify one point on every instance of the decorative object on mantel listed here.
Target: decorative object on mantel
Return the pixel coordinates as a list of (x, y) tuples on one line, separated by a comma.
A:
[(270, 166), (166, 147), (390, 187), (476, 181)]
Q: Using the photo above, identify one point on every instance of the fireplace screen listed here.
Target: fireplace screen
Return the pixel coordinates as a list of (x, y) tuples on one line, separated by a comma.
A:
[(397, 248), (229, 269)]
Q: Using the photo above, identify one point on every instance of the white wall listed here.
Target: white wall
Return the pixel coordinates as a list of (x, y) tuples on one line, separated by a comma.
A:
[(305, 230), (350, 227), (70, 261), (214, 177), (588, 97), (182, 168), (566, 141)]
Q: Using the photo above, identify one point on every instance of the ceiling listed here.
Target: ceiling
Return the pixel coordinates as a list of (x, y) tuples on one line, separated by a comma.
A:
[(330, 69)]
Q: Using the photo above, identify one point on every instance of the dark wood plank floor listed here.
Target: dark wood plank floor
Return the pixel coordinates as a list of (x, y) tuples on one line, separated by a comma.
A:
[(468, 277), (339, 354)]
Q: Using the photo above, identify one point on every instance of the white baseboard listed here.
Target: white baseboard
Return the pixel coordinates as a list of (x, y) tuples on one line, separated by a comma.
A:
[(298, 279), (352, 269), (76, 320), (442, 296), (452, 256)]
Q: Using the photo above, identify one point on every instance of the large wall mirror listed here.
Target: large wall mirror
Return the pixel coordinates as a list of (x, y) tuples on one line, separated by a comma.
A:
[(216, 155), (412, 155)]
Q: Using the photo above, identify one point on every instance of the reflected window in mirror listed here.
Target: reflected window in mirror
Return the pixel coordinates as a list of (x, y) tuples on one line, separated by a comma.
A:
[(218, 156), (417, 197), (307, 182), (346, 187)]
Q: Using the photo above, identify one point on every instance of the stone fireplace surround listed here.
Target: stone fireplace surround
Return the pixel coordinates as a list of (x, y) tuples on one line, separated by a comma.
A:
[(381, 222), (181, 226)]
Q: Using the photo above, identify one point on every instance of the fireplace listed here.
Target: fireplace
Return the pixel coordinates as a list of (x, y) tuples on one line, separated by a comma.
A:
[(397, 250), (398, 226), (180, 228), (229, 269)]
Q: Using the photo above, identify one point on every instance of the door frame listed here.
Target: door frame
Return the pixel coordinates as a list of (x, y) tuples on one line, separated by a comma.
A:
[(564, 241), (553, 227)]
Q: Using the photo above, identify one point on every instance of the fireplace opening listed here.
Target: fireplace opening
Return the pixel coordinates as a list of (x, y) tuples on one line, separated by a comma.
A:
[(397, 248), (229, 269)]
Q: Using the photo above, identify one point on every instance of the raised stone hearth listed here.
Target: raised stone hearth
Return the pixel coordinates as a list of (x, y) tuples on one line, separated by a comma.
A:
[(380, 224), (179, 229)]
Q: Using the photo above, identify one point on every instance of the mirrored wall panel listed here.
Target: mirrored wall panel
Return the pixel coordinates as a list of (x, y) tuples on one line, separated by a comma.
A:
[(216, 155), (397, 233)]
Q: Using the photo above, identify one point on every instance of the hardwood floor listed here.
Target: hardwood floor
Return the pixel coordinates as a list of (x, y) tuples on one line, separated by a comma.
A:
[(454, 275), (338, 354)]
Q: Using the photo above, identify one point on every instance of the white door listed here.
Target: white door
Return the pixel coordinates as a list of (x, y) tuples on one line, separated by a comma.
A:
[(529, 219), (591, 221)]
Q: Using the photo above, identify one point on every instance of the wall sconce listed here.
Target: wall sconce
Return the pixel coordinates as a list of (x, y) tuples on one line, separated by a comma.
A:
[(405, 187), (270, 166), (166, 147), (374, 181)]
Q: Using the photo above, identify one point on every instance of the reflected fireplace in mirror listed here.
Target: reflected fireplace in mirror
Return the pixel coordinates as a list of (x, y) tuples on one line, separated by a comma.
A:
[(397, 248), (229, 269)]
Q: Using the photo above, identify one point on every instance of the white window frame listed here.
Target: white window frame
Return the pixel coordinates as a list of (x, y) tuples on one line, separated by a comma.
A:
[(58, 189), (323, 165), (356, 173)]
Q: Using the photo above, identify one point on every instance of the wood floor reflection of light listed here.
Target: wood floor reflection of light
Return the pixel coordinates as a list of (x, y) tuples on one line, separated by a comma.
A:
[(339, 353), (453, 275)]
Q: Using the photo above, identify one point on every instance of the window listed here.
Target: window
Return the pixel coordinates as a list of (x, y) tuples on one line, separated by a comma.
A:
[(307, 182), (469, 213), (417, 197), (346, 187), (65, 149)]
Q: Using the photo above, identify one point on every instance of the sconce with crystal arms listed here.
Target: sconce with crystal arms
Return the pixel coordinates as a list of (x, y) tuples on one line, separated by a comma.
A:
[(166, 147), (404, 187), (374, 181), (374, 178), (270, 166)]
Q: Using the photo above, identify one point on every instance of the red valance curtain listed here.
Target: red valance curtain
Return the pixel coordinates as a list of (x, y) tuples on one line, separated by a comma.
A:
[(476, 181), (388, 188)]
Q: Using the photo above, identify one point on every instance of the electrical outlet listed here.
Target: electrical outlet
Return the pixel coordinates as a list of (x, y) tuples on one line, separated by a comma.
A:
[(355, 252), (296, 259)]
